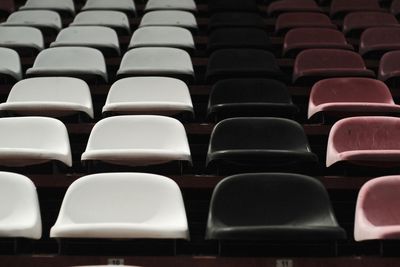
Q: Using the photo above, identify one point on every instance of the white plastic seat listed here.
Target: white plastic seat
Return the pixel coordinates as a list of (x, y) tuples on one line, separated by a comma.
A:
[(62, 6), (112, 19), (102, 38), (19, 208), (21, 38), (187, 5), (126, 6), (122, 205), (169, 18), (10, 64), (137, 140), (41, 19), (148, 95), (165, 36), (49, 96), (69, 61), (162, 61), (28, 141)]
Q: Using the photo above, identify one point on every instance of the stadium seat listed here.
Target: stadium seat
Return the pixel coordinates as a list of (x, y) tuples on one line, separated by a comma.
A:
[(162, 36), (49, 96), (64, 7), (25, 40), (100, 37), (176, 18), (112, 19), (137, 140), (283, 6), (272, 207), (79, 62), (291, 20), (26, 141), (356, 22), (153, 61), (187, 5), (389, 68), (126, 6), (230, 63), (374, 42), (258, 144), (121, 206), (370, 141), (19, 209), (249, 98), (315, 64), (238, 37), (49, 22), (344, 97), (300, 39), (10, 65), (149, 95), (235, 19), (339, 8), (377, 213), (216, 6)]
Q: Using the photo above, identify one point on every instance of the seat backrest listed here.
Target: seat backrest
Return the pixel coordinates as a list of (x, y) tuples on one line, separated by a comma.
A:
[(264, 199), (365, 133), (258, 133), (34, 133), (52, 90), (19, 209), (138, 132), (137, 198), (350, 90)]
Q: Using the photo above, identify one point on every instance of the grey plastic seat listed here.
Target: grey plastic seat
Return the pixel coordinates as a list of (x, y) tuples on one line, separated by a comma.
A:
[(103, 38), (149, 95), (66, 7), (187, 5), (10, 64), (46, 20), (80, 62), (22, 39), (19, 209), (164, 36), (49, 96), (126, 6), (159, 61), (169, 18), (114, 19)]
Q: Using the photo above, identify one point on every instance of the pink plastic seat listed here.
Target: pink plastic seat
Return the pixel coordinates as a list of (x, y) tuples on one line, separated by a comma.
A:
[(345, 97), (377, 210), (281, 6), (389, 68), (371, 141), (305, 38), (287, 21), (356, 22), (374, 42), (315, 64), (342, 7)]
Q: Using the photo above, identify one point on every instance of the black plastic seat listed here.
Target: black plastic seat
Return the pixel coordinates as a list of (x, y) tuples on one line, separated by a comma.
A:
[(272, 206), (236, 19), (232, 5), (236, 37), (228, 63), (250, 97), (259, 144)]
